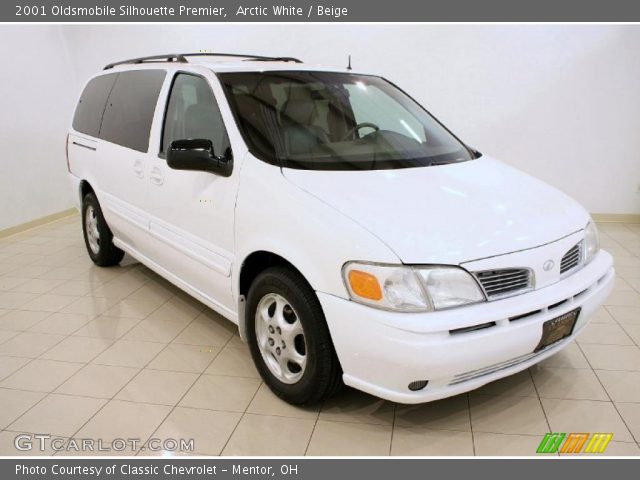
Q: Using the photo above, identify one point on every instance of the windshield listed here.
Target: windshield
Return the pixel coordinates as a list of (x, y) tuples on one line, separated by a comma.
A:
[(336, 121)]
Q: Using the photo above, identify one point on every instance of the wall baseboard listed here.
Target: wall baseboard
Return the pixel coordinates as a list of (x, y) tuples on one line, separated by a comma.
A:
[(37, 222), (616, 217)]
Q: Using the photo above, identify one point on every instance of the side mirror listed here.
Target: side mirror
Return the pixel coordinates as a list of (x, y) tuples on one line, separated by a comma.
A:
[(197, 154)]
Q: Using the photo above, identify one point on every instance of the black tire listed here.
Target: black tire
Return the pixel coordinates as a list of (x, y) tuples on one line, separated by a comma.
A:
[(322, 375), (107, 254)]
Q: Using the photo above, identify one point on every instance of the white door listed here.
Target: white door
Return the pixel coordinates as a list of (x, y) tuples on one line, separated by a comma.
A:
[(192, 213), (122, 162)]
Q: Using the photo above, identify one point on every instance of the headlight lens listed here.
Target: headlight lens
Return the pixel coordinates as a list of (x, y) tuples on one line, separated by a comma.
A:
[(591, 242), (410, 289), (450, 287)]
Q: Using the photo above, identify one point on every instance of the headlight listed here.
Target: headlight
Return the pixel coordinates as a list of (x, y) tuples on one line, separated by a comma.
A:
[(410, 289), (591, 241)]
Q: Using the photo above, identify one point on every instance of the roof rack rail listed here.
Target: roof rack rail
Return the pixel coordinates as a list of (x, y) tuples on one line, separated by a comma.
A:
[(182, 58)]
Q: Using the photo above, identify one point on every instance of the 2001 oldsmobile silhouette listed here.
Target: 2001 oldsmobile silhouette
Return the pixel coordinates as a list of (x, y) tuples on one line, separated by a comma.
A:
[(348, 233)]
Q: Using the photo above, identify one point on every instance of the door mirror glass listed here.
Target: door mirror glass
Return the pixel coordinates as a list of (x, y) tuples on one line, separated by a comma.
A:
[(198, 155)]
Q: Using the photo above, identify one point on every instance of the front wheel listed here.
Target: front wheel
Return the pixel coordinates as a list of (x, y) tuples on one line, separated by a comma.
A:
[(97, 235), (289, 339)]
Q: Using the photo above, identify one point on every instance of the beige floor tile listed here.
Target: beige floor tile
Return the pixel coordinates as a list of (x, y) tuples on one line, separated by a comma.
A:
[(210, 430), (267, 403), (30, 445), (41, 375), (49, 302), (120, 419), (133, 308), (267, 435), (91, 306), (155, 290), (497, 445), (419, 441), (31, 271), (236, 362), (448, 414), (602, 315), (585, 416), (519, 385), (155, 330), (8, 365), (6, 335), (128, 353), (60, 323), (107, 327), (625, 315), (633, 331), (237, 342), (569, 357), (221, 393), (15, 403), (29, 344), (613, 357), (37, 285), (621, 386), (504, 414), (623, 298), (21, 320), (349, 405), (77, 349), (177, 310), (9, 282), (336, 438), (568, 383), (59, 415), (73, 287), (604, 334), (620, 449), (207, 331), (65, 273), (630, 413), (156, 386), (16, 300), (100, 381), (184, 358), (118, 288)]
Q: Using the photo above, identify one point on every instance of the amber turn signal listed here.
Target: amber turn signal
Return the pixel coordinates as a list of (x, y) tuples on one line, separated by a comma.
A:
[(364, 285)]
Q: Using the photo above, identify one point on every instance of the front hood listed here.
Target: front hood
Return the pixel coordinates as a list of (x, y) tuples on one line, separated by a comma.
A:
[(448, 214)]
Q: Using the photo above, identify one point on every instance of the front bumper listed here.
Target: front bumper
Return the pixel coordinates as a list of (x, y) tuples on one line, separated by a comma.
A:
[(382, 352)]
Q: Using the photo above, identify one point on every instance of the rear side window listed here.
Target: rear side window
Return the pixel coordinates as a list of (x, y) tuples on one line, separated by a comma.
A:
[(129, 112), (91, 105)]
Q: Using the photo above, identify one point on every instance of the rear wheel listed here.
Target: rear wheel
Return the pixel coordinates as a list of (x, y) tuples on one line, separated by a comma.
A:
[(289, 339), (97, 235)]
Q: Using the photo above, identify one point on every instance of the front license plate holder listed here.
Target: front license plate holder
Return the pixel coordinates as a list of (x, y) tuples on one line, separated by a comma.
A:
[(557, 329)]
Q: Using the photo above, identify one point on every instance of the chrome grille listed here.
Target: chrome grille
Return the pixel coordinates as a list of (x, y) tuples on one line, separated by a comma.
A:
[(572, 258), (504, 282)]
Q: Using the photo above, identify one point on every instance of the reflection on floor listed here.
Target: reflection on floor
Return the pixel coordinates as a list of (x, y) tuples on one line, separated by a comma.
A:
[(119, 353)]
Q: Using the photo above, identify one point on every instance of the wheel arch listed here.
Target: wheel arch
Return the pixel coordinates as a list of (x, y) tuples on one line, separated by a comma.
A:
[(85, 188), (252, 265)]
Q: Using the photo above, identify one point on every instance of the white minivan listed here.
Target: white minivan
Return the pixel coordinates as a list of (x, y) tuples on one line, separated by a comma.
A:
[(351, 237)]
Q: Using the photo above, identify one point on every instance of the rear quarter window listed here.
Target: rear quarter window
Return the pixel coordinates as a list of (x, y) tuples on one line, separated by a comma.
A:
[(129, 111), (90, 108)]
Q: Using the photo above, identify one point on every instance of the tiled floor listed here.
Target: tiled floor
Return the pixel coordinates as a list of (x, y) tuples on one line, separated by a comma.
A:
[(119, 353)]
